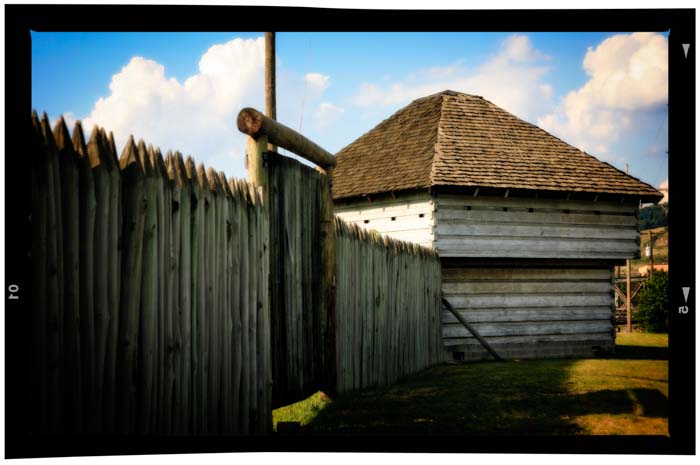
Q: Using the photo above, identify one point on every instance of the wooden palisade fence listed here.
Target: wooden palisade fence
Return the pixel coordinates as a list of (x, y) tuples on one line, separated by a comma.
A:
[(349, 309), (151, 308), (387, 310), (167, 299)]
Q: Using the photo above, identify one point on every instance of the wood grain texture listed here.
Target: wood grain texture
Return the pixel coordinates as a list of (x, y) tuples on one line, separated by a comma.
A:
[(140, 263)]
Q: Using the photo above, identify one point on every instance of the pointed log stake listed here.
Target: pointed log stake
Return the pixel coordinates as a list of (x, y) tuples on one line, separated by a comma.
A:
[(134, 220), (68, 160), (98, 318), (40, 201), (471, 329), (149, 294), (108, 380), (250, 121)]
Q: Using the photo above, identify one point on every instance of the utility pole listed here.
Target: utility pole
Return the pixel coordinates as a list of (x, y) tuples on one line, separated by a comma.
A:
[(651, 253), (270, 81), (629, 283)]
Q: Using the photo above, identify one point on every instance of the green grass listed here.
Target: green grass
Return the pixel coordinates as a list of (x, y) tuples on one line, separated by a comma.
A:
[(625, 393), (301, 412)]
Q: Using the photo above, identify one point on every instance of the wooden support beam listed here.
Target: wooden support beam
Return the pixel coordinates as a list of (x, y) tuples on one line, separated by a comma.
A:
[(257, 172), (629, 299), (253, 123), (471, 329)]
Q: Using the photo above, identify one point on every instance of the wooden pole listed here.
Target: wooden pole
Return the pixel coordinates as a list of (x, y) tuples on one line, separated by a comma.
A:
[(651, 254), (471, 329), (270, 81), (328, 283), (40, 202), (629, 298), (250, 121), (68, 161)]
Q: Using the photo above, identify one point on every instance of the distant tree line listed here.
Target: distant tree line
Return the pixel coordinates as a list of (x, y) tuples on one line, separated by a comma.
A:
[(653, 216)]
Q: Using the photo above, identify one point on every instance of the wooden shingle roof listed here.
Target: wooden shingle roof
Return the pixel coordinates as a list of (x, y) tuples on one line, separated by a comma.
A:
[(460, 140)]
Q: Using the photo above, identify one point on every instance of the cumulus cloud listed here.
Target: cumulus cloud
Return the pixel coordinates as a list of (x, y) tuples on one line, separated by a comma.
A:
[(628, 75), (196, 116), (316, 84), (513, 78), (326, 114)]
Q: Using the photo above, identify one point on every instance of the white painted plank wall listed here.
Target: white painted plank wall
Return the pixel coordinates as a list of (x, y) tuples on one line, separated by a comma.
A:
[(407, 218)]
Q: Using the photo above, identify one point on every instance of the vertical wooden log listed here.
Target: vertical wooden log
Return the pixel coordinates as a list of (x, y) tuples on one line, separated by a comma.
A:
[(134, 222), (159, 408), (108, 380), (262, 257), (253, 264), (170, 412), (270, 80), (225, 315), (277, 308), (214, 305), (244, 310), (198, 298), (40, 272), (235, 310), (55, 281), (182, 240), (266, 328), (149, 294), (96, 318), (628, 300), (205, 276), (68, 160)]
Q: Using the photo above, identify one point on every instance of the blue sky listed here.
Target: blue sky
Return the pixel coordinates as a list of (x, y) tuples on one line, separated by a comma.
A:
[(605, 93)]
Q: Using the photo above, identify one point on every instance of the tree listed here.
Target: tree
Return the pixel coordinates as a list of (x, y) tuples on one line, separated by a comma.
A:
[(653, 303), (653, 216)]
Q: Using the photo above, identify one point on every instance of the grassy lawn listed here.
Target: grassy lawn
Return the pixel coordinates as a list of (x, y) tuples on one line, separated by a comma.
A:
[(624, 393)]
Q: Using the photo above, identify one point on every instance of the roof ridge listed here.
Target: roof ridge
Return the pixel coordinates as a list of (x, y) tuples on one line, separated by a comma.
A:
[(437, 153)]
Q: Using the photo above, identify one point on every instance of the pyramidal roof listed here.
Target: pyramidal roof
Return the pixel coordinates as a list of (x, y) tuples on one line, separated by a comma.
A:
[(460, 140)]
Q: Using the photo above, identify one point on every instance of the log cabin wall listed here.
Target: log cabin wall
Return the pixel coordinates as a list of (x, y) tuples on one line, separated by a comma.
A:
[(494, 227), (529, 308), (533, 275)]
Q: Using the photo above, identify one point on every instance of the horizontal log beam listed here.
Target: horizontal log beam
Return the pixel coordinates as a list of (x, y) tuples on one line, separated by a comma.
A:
[(253, 123)]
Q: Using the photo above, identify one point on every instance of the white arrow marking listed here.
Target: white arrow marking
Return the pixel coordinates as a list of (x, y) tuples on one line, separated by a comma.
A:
[(686, 291), (685, 49)]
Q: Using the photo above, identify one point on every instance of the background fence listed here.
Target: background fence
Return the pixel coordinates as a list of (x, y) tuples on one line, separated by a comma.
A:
[(150, 287), (387, 309)]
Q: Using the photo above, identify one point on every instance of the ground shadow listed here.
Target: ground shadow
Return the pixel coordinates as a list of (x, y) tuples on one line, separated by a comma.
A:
[(639, 353), (489, 398)]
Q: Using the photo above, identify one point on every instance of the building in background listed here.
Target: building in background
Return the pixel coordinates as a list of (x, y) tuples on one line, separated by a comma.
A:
[(528, 228)]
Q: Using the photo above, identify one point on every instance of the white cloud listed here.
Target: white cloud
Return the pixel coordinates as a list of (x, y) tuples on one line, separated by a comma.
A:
[(512, 79), (326, 114), (628, 74), (316, 84), (197, 116)]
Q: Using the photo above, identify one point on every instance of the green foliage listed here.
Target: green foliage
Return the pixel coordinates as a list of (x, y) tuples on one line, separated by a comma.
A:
[(653, 216), (653, 303)]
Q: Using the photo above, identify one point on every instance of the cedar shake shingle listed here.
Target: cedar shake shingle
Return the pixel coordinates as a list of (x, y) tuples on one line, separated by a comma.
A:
[(455, 139)]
